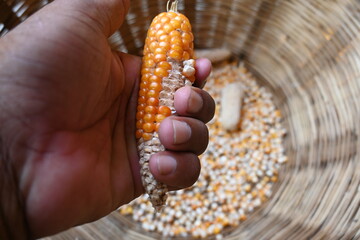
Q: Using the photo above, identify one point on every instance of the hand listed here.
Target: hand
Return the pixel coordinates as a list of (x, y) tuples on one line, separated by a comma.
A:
[(67, 119)]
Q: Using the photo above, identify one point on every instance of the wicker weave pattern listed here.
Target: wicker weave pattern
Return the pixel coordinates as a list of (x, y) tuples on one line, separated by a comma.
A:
[(308, 54)]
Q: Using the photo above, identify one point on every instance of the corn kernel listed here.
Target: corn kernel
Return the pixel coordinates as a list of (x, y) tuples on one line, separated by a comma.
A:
[(159, 33), (150, 109), (146, 136), (164, 19), (141, 99), (160, 50), (165, 65), (160, 72), (145, 70), (143, 85), (157, 126), (164, 110), (176, 41), (187, 37), (139, 133), (139, 124), (140, 115), (177, 55), (149, 118), (168, 28), (164, 38), (186, 55), (141, 107), (164, 45), (175, 23), (155, 86), (152, 102), (159, 117), (175, 33), (152, 93), (153, 45), (154, 78), (177, 48), (159, 58), (148, 127)]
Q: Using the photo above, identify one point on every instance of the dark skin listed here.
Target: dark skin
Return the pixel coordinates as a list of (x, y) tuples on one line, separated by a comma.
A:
[(67, 121)]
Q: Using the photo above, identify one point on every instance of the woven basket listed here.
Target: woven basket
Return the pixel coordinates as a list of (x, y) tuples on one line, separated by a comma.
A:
[(308, 54)]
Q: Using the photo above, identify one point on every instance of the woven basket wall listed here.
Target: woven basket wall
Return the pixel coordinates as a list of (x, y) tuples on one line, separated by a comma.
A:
[(308, 54)]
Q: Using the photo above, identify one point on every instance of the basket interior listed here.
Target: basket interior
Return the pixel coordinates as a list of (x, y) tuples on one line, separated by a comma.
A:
[(307, 53)]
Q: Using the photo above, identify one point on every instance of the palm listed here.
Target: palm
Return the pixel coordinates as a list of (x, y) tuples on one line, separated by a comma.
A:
[(81, 151)]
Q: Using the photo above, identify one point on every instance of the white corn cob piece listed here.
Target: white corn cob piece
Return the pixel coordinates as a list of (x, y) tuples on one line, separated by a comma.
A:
[(231, 103)]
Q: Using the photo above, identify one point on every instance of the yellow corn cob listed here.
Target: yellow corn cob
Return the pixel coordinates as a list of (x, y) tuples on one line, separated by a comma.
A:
[(167, 65)]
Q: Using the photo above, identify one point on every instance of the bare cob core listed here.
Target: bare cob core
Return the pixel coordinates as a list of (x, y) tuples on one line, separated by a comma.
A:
[(167, 65)]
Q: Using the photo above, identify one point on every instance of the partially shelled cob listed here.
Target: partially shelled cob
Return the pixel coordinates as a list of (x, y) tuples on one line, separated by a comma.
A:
[(167, 65)]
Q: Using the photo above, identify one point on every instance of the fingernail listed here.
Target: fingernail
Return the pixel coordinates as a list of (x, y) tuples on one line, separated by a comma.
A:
[(195, 102), (182, 132), (166, 165)]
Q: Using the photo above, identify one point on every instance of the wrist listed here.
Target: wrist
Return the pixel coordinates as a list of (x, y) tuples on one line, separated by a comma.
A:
[(13, 223)]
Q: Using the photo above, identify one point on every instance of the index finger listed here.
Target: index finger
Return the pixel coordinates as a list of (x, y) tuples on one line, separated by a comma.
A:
[(203, 69)]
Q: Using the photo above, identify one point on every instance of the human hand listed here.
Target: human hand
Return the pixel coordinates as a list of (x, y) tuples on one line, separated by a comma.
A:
[(67, 119)]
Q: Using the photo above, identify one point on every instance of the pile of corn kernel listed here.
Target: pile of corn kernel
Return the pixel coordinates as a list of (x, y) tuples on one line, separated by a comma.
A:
[(239, 168)]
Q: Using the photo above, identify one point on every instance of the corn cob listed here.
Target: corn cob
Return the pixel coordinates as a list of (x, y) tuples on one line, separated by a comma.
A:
[(231, 102), (167, 65)]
